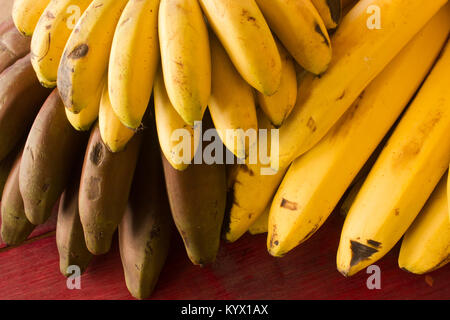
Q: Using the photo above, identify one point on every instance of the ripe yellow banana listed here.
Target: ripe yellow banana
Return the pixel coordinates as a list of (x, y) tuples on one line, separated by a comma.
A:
[(301, 30), (306, 197), (185, 57), (330, 11), (85, 58), (260, 225), (232, 104), (426, 244), (134, 60), (167, 122), (246, 37), (50, 37), (114, 134), (278, 106), (410, 166), (26, 14), (359, 55)]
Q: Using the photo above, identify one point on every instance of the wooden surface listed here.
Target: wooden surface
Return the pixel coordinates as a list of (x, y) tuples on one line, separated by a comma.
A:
[(243, 270)]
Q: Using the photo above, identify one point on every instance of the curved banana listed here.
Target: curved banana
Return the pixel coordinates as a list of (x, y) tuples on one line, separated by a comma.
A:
[(300, 209), (359, 55), (26, 14), (246, 37), (426, 244), (278, 106), (185, 57), (232, 104), (134, 60), (50, 36), (330, 11), (408, 169), (85, 58), (168, 121), (114, 134)]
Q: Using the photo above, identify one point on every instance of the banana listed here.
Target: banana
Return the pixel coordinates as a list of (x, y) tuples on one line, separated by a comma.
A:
[(261, 224), (114, 134), (300, 28), (48, 159), (6, 13), (299, 210), (146, 227), (84, 62), (15, 226), (245, 35), (13, 45), (410, 166), (246, 183), (104, 189), (330, 11), (426, 245), (232, 104), (278, 106), (70, 241), (133, 61), (448, 195), (83, 120), (26, 14), (167, 122), (360, 54), (185, 57), (6, 166), (50, 36), (21, 97)]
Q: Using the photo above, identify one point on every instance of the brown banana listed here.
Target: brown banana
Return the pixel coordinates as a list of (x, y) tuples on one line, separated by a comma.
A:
[(13, 45)]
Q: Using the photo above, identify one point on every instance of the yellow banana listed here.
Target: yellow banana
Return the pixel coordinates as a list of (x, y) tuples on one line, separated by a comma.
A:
[(232, 104), (409, 167), (245, 35), (26, 14), (50, 37), (448, 194), (360, 53), (260, 225), (185, 57), (278, 106), (306, 197), (85, 58), (426, 244), (167, 122), (330, 11), (300, 28), (114, 134), (134, 60)]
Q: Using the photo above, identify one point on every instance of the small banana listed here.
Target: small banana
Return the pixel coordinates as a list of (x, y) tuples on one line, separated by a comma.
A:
[(185, 57), (330, 11), (134, 60), (50, 36), (26, 14)]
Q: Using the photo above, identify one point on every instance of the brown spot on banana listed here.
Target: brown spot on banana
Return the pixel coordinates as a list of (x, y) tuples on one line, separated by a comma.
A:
[(79, 52), (288, 205), (360, 252)]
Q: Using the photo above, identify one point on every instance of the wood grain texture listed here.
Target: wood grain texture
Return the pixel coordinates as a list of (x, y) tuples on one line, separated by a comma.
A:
[(243, 270)]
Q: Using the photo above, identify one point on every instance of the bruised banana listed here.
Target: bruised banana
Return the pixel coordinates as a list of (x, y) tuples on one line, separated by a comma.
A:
[(359, 55), (134, 60), (104, 189), (21, 97), (330, 11), (84, 62), (50, 36), (185, 57), (261, 224), (278, 106), (26, 14), (408, 169), (245, 35), (49, 156), (15, 226), (300, 28), (168, 121), (114, 134), (146, 227), (232, 103), (70, 240), (426, 245), (13, 45), (300, 209)]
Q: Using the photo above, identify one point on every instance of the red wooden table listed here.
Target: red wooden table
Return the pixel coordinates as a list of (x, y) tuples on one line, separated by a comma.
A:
[(243, 270)]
